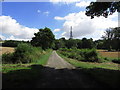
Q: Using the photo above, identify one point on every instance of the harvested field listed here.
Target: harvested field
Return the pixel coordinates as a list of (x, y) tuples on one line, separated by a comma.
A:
[(106, 53), (6, 50)]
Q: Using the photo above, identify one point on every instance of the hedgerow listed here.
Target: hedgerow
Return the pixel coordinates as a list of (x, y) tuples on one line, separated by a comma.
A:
[(87, 55), (24, 53)]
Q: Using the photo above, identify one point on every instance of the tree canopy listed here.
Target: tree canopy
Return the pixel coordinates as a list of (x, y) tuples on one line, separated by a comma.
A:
[(44, 38), (102, 9), (112, 38)]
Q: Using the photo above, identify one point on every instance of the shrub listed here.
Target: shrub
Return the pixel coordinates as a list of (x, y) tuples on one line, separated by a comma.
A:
[(24, 53), (79, 57), (72, 55), (7, 58), (65, 53), (89, 55), (116, 60)]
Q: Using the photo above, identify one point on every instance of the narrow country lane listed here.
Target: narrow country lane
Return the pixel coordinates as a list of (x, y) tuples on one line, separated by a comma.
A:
[(60, 74), (55, 61)]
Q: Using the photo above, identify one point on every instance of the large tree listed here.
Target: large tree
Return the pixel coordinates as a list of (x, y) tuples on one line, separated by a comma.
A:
[(102, 9), (112, 38), (71, 43), (87, 43), (44, 38)]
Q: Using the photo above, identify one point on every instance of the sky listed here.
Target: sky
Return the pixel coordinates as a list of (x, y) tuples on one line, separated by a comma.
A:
[(20, 20)]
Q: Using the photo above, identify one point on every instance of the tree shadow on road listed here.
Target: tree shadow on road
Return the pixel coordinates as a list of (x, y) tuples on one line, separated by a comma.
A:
[(44, 77)]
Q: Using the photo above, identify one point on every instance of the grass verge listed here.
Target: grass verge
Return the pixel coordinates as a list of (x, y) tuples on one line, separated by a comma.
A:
[(44, 58), (23, 75), (106, 73)]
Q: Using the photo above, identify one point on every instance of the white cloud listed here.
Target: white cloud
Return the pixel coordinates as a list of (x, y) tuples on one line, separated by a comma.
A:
[(38, 11), (46, 13), (18, 39), (58, 18), (56, 30), (83, 3), (2, 37), (65, 1), (13, 29), (84, 26), (68, 1)]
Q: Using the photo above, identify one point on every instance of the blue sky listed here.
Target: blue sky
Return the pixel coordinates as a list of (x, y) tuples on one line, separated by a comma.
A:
[(30, 16)]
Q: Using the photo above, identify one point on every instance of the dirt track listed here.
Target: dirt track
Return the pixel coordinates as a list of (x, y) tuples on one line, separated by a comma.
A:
[(60, 74)]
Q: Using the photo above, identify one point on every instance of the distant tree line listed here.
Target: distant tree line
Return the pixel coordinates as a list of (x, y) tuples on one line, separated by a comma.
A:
[(73, 43), (111, 40), (46, 39), (12, 43)]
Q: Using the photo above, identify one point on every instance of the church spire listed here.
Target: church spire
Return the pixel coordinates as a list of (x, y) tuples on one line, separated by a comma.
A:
[(71, 36)]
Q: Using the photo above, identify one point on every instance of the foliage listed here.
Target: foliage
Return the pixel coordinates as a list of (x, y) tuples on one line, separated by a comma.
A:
[(71, 43), (87, 55), (7, 58), (24, 53), (112, 38), (99, 44), (87, 43), (102, 9), (44, 38), (59, 43), (12, 43), (116, 60)]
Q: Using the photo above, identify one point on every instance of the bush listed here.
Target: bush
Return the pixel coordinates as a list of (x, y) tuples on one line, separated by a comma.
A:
[(24, 53), (72, 55), (89, 55), (116, 60), (7, 58)]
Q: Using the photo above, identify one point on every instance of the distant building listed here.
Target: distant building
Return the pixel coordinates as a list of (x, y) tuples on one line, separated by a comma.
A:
[(71, 36)]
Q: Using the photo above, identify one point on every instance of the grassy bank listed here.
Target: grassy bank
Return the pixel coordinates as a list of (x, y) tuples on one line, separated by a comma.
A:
[(107, 73), (24, 75)]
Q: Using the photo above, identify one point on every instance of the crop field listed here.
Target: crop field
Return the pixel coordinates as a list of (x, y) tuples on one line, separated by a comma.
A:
[(6, 50), (105, 53)]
